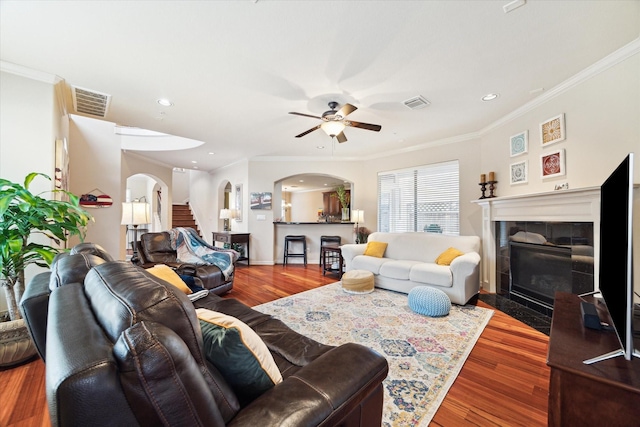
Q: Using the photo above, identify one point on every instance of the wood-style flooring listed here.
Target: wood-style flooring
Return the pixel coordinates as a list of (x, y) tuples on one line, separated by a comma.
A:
[(504, 382)]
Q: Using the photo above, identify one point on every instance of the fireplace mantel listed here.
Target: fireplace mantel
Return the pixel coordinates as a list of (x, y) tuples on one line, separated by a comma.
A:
[(579, 205)]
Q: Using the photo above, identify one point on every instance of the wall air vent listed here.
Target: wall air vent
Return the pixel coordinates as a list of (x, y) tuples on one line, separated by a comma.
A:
[(90, 102), (416, 102)]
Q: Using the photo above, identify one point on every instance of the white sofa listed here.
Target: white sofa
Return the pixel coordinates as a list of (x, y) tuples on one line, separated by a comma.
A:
[(409, 261)]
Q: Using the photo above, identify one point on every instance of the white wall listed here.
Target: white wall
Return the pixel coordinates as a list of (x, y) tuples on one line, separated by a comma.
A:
[(30, 122), (305, 205)]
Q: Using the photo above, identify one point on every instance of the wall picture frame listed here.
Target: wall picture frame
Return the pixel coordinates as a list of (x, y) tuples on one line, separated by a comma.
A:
[(261, 200), (552, 164), (519, 172), (519, 144), (61, 172), (238, 196), (552, 130)]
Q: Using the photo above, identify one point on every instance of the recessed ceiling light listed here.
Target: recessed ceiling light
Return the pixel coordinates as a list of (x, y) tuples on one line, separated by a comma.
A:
[(210, 152), (490, 97), (193, 161), (320, 147), (165, 102), (302, 180)]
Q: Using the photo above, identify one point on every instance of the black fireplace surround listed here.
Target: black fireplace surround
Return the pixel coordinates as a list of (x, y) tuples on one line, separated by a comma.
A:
[(536, 259)]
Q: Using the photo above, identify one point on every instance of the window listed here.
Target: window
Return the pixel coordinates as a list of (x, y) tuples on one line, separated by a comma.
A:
[(424, 198)]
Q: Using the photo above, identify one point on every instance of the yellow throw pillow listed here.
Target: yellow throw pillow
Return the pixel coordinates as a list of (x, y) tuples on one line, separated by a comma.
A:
[(446, 257), (375, 249), (167, 274)]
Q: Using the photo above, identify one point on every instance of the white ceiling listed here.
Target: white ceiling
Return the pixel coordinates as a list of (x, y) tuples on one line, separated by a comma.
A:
[(234, 69)]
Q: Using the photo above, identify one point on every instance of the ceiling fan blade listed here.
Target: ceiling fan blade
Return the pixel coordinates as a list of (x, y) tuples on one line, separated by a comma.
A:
[(341, 138), (309, 131), (361, 125), (305, 115), (346, 109)]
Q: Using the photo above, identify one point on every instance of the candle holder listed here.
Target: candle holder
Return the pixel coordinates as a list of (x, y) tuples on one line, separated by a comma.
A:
[(483, 188), (491, 188)]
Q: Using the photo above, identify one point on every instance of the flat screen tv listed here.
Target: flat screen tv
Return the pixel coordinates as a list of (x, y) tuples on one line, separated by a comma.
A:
[(616, 257)]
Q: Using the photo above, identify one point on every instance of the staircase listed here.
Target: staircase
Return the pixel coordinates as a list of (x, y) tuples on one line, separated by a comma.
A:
[(182, 217)]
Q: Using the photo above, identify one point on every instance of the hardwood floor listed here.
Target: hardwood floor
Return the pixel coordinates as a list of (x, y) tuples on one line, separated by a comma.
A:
[(504, 382)]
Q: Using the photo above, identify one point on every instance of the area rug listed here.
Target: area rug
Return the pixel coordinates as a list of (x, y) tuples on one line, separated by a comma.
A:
[(425, 354)]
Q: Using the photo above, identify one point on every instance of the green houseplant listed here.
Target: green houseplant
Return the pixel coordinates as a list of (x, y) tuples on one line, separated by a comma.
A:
[(343, 198), (24, 214)]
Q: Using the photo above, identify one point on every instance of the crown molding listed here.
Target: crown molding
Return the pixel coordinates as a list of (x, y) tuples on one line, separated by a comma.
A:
[(29, 73), (593, 70)]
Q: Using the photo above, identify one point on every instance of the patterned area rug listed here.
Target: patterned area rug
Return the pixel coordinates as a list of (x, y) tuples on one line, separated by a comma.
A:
[(425, 354)]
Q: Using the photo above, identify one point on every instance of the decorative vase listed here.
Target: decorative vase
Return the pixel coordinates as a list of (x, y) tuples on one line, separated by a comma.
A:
[(345, 214)]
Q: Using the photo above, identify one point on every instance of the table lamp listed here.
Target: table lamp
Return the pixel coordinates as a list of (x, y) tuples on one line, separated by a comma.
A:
[(226, 215), (135, 214), (357, 216)]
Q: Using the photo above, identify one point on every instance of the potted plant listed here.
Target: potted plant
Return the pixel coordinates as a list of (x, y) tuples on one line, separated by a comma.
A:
[(343, 198), (23, 214)]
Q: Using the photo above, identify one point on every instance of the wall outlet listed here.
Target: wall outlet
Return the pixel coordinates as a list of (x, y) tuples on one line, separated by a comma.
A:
[(563, 186), (261, 217)]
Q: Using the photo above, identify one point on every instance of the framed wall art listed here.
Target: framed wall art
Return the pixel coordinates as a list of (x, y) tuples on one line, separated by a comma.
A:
[(519, 172), (261, 200), (519, 143), (61, 175), (552, 164), (552, 130), (238, 196)]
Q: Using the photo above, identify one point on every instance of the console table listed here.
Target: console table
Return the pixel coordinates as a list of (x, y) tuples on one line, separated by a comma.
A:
[(604, 393), (233, 237)]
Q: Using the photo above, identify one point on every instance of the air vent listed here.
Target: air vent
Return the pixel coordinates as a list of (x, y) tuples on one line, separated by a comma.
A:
[(90, 102), (416, 103)]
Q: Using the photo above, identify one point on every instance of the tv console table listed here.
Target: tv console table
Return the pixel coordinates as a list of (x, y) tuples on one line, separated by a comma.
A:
[(604, 393)]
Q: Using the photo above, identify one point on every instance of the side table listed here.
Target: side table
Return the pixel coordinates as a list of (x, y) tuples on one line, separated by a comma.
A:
[(232, 237), (332, 261)]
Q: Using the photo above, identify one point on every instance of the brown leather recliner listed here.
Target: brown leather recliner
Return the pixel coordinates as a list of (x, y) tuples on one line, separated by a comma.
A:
[(155, 248), (127, 349), (67, 267)]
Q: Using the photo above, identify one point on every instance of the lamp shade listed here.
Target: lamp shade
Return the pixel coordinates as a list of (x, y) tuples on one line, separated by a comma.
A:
[(226, 214), (135, 213), (357, 215), (332, 128)]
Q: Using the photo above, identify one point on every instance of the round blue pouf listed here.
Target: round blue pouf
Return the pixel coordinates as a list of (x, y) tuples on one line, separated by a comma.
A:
[(429, 301)]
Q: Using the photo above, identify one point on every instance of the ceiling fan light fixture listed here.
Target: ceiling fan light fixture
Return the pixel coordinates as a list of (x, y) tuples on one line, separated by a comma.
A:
[(332, 128)]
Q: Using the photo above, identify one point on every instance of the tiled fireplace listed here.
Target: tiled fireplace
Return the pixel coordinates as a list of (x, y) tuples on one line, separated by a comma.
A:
[(545, 224)]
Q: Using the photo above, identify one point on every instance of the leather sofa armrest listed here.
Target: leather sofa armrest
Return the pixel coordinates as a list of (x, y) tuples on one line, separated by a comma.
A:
[(210, 276), (34, 306), (331, 386), (350, 251)]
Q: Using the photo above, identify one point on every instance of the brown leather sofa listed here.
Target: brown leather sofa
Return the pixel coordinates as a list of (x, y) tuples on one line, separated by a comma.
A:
[(155, 248), (125, 348), (67, 267)]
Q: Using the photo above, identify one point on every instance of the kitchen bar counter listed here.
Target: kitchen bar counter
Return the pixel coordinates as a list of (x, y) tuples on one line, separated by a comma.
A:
[(313, 231)]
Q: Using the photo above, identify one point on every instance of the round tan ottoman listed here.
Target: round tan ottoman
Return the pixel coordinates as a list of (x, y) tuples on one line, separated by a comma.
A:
[(357, 282)]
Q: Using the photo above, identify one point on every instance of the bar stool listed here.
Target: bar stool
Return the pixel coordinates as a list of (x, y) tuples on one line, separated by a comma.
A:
[(295, 238), (332, 240)]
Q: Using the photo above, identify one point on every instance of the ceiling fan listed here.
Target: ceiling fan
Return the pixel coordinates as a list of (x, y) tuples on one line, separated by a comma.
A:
[(334, 121)]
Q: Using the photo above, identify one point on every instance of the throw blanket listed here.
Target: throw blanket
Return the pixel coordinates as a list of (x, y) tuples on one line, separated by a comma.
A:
[(191, 248)]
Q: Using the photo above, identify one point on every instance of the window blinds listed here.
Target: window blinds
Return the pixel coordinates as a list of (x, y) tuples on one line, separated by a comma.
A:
[(425, 198)]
